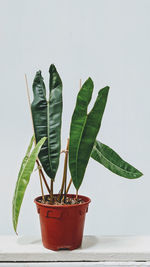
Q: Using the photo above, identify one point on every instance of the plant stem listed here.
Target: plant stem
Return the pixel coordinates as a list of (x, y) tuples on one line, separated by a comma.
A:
[(76, 194), (42, 174), (68, 187), (64, 174), (41, 187), (51, 192), (80, 84), (40, 171)]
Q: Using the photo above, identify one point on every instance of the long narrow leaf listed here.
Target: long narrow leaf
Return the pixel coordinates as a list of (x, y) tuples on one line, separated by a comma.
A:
[(24, 177), (55, 119), (47, 119), (84, 129), (112, 161)]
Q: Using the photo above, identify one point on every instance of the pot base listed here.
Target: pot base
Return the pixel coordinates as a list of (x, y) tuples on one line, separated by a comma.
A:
[(56, 248)]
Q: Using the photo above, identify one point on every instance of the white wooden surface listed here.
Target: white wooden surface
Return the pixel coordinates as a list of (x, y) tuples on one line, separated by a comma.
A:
[(76, 264), (95, 251)]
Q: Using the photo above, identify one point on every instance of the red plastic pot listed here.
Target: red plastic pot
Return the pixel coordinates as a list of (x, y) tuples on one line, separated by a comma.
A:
[(62, 226)]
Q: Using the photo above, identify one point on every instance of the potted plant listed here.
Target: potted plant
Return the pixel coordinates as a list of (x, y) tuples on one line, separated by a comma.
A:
[(62, 215)]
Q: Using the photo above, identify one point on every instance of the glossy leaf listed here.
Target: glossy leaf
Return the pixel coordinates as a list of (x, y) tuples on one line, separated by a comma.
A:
[(84, 129), (24, 177), (47, 117), (112, 161)]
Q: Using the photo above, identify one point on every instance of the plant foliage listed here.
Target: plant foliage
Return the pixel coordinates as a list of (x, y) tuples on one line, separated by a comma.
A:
[(112, 161), (84, 129), (47, 117), (26, 169)]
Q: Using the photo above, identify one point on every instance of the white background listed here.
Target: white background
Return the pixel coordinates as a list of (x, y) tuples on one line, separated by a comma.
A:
[(108, 40)]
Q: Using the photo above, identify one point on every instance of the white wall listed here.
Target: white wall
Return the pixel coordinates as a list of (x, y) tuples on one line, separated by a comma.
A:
[(108, 40)]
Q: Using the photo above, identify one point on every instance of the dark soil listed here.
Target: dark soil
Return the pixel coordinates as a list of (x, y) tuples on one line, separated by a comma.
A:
[(68, 201)]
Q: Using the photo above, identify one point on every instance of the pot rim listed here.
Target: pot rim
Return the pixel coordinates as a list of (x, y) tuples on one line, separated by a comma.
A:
[(63, 206)]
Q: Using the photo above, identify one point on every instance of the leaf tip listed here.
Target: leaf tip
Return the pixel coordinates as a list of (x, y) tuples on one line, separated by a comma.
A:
[(90, 80), (38, 74), (104, 90), (44, 139), (107, 87), (52, 68), (38, 77), (15, 228), (140, 174)]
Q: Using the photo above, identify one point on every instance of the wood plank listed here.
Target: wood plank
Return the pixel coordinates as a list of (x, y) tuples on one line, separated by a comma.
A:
[(104, 248)]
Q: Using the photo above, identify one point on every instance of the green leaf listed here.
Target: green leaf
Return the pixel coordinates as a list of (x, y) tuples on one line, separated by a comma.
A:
[(84, 129), (26, 169), (112, 161), (47, 117)]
